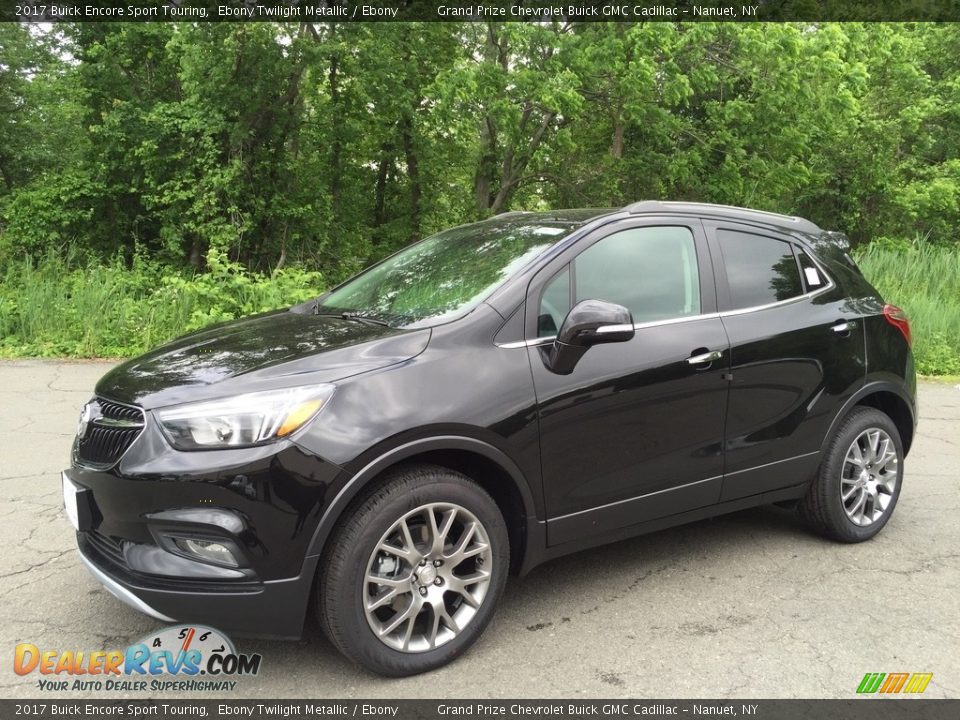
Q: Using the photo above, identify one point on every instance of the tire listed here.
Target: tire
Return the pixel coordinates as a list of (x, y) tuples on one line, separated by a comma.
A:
[(447, 614), (824, 506)]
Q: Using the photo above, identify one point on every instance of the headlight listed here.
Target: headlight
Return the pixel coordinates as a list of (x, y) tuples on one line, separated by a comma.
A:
[(242, 420)]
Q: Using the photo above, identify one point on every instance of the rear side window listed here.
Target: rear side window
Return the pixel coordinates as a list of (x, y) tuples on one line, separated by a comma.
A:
[(760, 270)]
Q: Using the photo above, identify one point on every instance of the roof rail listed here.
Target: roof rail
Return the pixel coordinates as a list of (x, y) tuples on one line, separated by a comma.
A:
[(726, 211)]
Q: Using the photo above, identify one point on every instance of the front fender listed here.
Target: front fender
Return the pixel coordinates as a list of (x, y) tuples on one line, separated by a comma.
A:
[(372, 469)]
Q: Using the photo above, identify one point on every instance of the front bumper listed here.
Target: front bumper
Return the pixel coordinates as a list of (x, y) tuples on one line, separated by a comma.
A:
[(121, 591), (263, 503), (272, 609)]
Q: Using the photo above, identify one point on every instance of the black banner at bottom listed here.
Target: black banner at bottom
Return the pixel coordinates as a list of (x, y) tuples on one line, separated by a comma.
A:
[(856, 709)]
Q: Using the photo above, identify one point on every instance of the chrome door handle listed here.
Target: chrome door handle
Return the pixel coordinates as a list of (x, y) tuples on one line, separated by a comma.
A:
[(844, 327), (705, 358)]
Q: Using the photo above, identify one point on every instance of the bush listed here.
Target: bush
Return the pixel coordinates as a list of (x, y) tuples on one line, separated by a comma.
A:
[(66, 307), (924, 280), (77, 308)]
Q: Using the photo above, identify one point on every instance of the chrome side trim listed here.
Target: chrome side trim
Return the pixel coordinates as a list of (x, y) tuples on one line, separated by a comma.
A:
[(120, 592), (806, 296), (534, 342), (638, 497), (775, 462), (788, 301), (527, 343), (680, 487)]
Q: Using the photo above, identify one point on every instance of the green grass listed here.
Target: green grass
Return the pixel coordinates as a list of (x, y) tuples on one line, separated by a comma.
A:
[(65, 308), (61, 308), (924, 280)]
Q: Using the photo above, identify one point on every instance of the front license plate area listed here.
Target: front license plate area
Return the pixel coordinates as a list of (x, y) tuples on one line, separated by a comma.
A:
[(77, 504)]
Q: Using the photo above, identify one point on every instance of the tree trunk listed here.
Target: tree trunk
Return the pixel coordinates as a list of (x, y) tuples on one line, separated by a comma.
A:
[(195, 254), (483, 179), (616, 147), (513, 168), (413, 176), (4, 171), (283, 247), (336, 144), (380, 193)]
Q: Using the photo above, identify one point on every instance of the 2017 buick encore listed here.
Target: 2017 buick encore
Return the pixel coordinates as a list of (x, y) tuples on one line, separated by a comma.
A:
[(492, 397)]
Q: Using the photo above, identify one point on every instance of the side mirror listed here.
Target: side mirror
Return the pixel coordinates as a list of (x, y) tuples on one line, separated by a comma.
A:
[(589, 323)]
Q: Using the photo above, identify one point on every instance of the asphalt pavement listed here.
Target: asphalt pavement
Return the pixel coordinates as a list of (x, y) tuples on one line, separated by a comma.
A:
[(749, 605)]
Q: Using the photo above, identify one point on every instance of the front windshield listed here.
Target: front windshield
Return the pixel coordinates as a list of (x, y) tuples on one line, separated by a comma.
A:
[(444, 276)]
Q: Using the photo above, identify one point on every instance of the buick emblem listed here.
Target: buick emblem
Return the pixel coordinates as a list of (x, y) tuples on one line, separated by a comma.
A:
[(86, 415)]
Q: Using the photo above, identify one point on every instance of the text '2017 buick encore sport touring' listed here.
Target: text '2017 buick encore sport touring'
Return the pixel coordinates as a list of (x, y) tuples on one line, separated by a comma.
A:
[(492, 397)]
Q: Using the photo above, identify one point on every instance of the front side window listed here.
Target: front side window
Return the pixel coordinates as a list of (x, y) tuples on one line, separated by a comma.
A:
[(760, 270), (652, 271), (444, 276)]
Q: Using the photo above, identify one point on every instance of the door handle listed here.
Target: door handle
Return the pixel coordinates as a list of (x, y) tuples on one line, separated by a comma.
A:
[(844, 327), (707, 357)]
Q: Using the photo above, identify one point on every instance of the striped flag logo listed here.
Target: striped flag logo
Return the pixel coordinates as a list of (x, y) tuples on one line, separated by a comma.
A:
[(892, 683)]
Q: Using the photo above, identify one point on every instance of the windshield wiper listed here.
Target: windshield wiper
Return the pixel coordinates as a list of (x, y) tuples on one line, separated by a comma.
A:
[(356, 317)]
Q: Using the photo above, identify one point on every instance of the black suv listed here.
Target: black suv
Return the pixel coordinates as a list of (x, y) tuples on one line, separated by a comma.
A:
[(492, 397)]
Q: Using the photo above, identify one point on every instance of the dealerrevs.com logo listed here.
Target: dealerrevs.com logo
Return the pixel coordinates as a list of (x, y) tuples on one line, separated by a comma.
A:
[(893, 683), (182, 657)]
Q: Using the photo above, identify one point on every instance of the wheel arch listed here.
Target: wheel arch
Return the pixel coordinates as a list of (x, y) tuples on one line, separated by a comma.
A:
[(889, 398), (485, 464)]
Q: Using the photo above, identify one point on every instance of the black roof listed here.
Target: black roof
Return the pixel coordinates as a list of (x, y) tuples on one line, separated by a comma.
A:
[(664, 207), (573, 216), (723, 211)]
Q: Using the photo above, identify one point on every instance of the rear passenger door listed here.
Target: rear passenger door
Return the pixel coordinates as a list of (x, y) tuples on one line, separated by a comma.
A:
[(796, 353)]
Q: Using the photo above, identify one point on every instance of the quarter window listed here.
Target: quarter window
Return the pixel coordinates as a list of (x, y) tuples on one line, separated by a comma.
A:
[(554, 304), (812, 276), (760, 270)]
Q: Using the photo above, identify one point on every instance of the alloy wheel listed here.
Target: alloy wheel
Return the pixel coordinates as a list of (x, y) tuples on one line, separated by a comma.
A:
[(427, 577), (868, 478)]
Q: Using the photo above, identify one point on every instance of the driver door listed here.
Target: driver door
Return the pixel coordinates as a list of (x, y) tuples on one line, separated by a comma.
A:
[(635, 432)]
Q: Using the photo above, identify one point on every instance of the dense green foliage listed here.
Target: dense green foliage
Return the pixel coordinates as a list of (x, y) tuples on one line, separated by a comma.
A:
[(203, 171), (925, 281), (55, 306)]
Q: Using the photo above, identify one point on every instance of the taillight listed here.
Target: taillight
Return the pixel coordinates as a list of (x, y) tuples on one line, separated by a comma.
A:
[(898, 318)]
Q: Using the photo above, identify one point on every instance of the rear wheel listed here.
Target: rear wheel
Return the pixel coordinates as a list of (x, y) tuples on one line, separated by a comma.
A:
[(413, 573), (859, 480)]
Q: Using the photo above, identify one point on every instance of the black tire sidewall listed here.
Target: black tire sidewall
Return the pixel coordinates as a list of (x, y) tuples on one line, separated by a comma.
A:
[(344, 586), (839, 524)]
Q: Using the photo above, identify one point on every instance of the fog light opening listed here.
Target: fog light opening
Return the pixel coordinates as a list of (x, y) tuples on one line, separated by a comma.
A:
[(209, 550)]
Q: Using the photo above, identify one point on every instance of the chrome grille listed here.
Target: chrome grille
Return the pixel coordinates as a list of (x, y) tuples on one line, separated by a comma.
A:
[(107, 430)]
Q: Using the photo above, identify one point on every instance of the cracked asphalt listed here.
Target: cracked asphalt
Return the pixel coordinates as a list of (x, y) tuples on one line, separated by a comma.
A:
[(746, 605)]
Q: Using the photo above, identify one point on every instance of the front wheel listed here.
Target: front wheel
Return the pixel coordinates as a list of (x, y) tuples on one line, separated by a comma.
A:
[(411, 577), (858, 484)]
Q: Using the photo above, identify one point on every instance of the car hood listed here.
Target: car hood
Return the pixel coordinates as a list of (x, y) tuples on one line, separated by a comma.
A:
[(279, 349)]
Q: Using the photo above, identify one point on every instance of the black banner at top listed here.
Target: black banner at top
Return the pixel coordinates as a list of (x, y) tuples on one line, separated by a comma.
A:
[(476, 10)]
